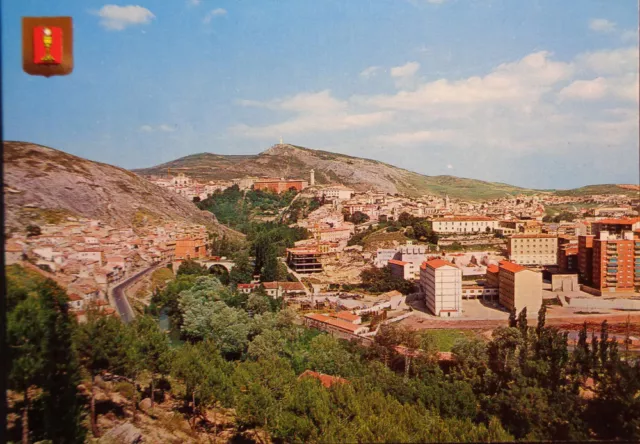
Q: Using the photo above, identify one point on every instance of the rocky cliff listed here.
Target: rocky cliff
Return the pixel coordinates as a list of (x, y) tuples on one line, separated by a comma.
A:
[(45, 185)]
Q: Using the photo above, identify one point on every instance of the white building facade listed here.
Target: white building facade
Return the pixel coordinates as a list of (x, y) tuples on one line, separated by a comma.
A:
[(464, 224), (441, 284)]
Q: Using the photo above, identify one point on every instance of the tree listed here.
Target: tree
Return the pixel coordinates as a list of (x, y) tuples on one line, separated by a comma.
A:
[(203, 371), (191, 267), (358, 218), (27, 354), (104, 344), (327, 355), (242, 272), (153, 348), (258, 303), (33, 230), (41, 355)]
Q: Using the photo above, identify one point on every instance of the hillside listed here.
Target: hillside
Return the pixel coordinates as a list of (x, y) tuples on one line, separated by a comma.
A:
[(45, 185), (362, 174), (629, 190)]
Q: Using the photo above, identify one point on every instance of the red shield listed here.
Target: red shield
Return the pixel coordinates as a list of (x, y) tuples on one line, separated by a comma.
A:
[(47, 45)]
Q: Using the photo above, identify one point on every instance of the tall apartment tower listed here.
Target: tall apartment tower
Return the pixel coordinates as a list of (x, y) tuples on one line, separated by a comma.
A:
[(312, 178), (441, 283), (615, 266)]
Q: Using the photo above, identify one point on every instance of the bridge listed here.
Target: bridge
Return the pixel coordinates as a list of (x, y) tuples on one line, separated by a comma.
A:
[(210, 263)]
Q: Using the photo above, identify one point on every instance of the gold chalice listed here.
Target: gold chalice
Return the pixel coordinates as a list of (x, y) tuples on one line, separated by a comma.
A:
[(47, 39)]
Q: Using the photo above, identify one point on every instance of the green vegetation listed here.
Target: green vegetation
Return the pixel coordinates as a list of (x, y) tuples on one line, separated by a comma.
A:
[(598, 189), (43, 365), (301, 208), (246, 354), (237, 209), (445, 339), (380, 280)]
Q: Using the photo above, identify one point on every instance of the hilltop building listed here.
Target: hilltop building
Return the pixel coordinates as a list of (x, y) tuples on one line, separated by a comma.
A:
[(464, 224), (280, 185)]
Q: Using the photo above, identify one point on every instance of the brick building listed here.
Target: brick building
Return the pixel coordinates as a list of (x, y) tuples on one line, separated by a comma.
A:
[(280, 185)]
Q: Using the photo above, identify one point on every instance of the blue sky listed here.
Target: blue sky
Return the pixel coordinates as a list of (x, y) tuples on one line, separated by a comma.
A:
[(538, 93)]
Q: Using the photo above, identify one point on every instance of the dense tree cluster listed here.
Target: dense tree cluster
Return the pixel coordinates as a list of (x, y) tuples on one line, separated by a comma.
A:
[(236, 208), (380, 280), (245, 353)]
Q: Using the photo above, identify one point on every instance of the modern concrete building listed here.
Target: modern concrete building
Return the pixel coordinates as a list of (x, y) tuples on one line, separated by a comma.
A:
[(533, 249), (304, 260), (441, 284), (402, 269), (519, 287), (614, 258), (568, 254), (464, 224), (585, 258)]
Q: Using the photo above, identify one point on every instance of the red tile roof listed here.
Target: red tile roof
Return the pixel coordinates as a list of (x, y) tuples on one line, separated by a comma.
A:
[(345, 315), (325, 380), (286, 286), (533, 236), (397, 262), (436, 263), (621, 221), (493, 269), (334, 322), (510, 266)]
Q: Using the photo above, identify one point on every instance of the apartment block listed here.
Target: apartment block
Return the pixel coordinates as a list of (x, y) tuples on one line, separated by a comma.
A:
[(533, 249), (441, 284), (615, 256), (304, 260), (585, 258), (519, 287), (402, 269), (568, 253)]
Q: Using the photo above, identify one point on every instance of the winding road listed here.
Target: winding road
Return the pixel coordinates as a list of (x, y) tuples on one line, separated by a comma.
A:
[(122, 303)]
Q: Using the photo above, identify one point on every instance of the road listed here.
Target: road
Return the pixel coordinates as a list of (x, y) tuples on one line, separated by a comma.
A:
[(122, 303)]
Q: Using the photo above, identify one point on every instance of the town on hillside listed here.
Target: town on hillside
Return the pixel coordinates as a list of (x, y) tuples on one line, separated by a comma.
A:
[(370, 258)]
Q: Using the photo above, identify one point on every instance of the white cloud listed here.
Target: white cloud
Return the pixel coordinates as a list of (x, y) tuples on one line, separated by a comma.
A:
[(602, 25), (615, 61), (407, 70), (160, 128), (525, 79), (313, 112), (413, 137), (534, 108), (370, 71), (214, 13), (117, 18), (194, 2)]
